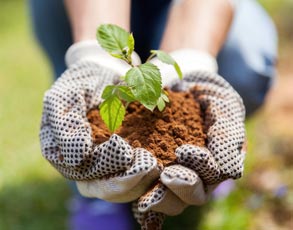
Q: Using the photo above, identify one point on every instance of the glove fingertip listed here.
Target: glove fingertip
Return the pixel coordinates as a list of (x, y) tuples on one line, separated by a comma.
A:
[(200, 160), (114, 155), (185, 184)]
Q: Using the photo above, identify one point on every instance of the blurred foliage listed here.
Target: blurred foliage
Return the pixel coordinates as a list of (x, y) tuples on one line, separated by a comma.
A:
[(32, 195), (281, 12), (33, 205)]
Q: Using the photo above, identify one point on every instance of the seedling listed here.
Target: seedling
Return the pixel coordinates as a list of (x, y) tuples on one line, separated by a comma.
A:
[(142, 83)]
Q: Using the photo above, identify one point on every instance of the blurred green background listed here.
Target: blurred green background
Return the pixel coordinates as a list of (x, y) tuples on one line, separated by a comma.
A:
[(34, 196)]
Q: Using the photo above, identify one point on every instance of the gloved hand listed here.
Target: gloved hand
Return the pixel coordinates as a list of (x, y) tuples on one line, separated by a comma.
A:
[(113, 170), (198, 170)]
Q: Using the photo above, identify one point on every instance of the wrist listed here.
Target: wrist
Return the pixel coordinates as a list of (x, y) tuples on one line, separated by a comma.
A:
[(90, 50)]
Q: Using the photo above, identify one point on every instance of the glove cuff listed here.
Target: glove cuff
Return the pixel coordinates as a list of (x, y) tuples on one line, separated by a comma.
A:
[(91, 50), (189, 60)]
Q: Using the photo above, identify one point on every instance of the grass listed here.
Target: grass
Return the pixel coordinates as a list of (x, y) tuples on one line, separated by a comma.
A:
[(33, 195)]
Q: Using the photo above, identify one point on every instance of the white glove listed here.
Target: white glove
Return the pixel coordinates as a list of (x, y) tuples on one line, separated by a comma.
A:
[(199, 170), (189, 60), (113, 170)]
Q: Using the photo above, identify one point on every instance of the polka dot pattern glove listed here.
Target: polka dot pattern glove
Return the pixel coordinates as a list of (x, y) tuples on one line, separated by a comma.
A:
[(224, 116), (198, 170), (111, 171)]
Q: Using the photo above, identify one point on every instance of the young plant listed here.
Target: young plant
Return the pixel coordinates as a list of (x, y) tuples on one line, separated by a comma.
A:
[(142, 83)]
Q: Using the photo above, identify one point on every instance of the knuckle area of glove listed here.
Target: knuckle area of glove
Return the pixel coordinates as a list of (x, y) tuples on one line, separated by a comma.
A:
[(178, 174)]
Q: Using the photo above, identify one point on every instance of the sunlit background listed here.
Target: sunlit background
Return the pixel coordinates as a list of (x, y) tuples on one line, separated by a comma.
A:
[(33, 196)]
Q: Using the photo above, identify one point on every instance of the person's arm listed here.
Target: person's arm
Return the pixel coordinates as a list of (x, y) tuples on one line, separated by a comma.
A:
[(198, 24), (86, 15)]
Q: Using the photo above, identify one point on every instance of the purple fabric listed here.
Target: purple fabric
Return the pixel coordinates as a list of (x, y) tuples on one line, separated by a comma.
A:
[(89, 214), (224, 189)]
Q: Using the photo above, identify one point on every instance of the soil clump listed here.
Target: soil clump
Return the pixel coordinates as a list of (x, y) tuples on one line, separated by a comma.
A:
[(159, 132)]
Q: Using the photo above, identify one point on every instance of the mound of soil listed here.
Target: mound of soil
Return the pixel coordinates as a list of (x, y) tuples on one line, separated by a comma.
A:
[(159, 132)]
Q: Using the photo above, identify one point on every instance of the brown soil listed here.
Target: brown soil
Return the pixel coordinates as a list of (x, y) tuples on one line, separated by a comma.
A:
[(158, 132)]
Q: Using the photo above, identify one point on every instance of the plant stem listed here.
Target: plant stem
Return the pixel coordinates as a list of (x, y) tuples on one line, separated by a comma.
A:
[(150, 57)]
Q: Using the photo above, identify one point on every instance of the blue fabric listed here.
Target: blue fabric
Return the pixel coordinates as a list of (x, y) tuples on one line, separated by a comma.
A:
[(52, 30), (246, 61), (148, 20)]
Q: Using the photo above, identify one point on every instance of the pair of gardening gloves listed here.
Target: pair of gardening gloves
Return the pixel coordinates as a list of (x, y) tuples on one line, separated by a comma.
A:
[(115, 171)]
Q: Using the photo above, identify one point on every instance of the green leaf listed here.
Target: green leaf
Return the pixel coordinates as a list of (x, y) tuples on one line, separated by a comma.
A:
[(125, 93), (164, 96), (114, 39), (150, 107), (109, 91), (112, 112), (120, 56), (166, 58), (145, 82), (178, 70), (130, 44), (161, 104)]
